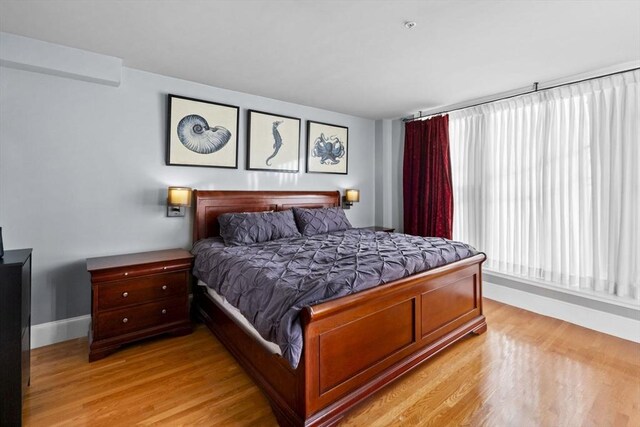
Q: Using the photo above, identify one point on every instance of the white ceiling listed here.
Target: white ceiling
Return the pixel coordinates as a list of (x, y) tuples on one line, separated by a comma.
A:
[(354, 56)]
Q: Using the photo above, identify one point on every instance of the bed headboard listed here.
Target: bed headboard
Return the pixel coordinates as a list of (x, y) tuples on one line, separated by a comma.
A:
[(210, 204)]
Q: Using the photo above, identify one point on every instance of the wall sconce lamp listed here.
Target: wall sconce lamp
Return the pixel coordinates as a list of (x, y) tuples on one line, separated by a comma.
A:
[(178, 198), (350, 197)]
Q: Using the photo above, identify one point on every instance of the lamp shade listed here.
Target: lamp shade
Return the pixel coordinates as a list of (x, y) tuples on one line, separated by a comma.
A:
[(179, 196), (352, 195)]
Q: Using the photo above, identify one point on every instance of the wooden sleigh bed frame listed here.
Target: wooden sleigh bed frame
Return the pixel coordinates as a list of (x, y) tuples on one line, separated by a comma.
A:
[(353, 345)]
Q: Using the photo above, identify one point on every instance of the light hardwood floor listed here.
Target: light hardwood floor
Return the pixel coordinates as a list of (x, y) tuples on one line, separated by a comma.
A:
[(527, 370)]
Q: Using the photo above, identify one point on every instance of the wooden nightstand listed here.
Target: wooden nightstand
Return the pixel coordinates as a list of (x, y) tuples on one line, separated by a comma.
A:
[(136, 296), (380, 228)]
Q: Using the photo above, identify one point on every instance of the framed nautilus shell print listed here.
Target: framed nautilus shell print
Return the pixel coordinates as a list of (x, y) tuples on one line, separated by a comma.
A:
[(273, 142), (202, 133), (327, 148)]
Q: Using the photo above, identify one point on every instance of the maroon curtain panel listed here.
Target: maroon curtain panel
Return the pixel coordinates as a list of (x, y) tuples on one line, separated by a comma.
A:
[(428, 192)]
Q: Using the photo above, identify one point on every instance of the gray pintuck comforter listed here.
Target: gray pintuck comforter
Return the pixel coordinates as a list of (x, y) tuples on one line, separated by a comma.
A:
[(271, 282)]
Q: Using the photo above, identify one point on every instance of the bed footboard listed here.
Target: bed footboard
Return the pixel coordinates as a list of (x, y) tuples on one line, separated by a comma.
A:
[(355, 345)]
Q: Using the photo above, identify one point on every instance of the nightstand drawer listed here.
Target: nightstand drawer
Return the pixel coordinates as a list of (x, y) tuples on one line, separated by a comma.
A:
[(123, 293), (131, 271), (131, 319)]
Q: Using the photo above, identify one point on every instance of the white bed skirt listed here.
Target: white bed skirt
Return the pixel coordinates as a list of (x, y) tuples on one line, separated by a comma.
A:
[(240, 320)]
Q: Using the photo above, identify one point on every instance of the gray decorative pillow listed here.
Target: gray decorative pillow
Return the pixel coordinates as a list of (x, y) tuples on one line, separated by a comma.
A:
[(323, 220), (246, 228)]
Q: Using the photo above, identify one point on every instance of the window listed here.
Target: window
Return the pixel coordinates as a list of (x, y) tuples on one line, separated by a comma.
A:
[(548, 184)]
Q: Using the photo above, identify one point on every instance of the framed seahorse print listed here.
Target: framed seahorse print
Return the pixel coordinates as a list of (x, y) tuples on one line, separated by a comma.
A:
[(273, 142), (327, 148)]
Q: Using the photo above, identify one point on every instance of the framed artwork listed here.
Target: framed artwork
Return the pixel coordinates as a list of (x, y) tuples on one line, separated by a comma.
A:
[(202, 133), (273, 142), (327, 148)]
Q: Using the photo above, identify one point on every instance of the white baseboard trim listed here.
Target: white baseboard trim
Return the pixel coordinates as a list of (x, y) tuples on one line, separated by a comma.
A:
[(619, 326), (59, 330)]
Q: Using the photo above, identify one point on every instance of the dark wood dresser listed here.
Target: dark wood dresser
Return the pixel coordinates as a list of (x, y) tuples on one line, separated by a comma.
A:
[(136, 296), (15, 333)]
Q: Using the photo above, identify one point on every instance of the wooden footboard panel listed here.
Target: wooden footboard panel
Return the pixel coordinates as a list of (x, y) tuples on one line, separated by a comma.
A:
[(356, 345)]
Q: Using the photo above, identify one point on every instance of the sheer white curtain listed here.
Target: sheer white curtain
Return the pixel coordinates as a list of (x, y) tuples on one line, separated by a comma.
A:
[(548, 184)]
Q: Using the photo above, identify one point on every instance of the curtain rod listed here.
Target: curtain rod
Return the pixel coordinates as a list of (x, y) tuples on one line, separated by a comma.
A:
[(534, 90)]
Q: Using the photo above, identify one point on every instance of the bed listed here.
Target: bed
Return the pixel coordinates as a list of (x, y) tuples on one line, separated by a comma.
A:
[(352, 345)]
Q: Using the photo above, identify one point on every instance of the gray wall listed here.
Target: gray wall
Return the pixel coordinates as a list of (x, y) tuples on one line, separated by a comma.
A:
[(397, 159), (379, 179), (389, 146), (82, 173)]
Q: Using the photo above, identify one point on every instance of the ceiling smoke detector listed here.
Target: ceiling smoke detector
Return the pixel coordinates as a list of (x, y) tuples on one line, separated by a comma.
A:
[(410, 25)]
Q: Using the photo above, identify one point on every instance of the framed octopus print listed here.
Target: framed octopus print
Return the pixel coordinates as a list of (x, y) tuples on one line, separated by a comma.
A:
[(273, 142), (202, 133), (327, 148)]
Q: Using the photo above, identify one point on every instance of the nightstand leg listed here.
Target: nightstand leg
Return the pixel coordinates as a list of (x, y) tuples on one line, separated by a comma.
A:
[(102, 353), (186, 330)]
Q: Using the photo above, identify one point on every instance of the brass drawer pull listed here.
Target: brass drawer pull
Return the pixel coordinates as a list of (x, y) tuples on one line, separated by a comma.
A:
[(164, 268), (126, 274), (125, 320), (125, 294), (164, 311), (164, 287)]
